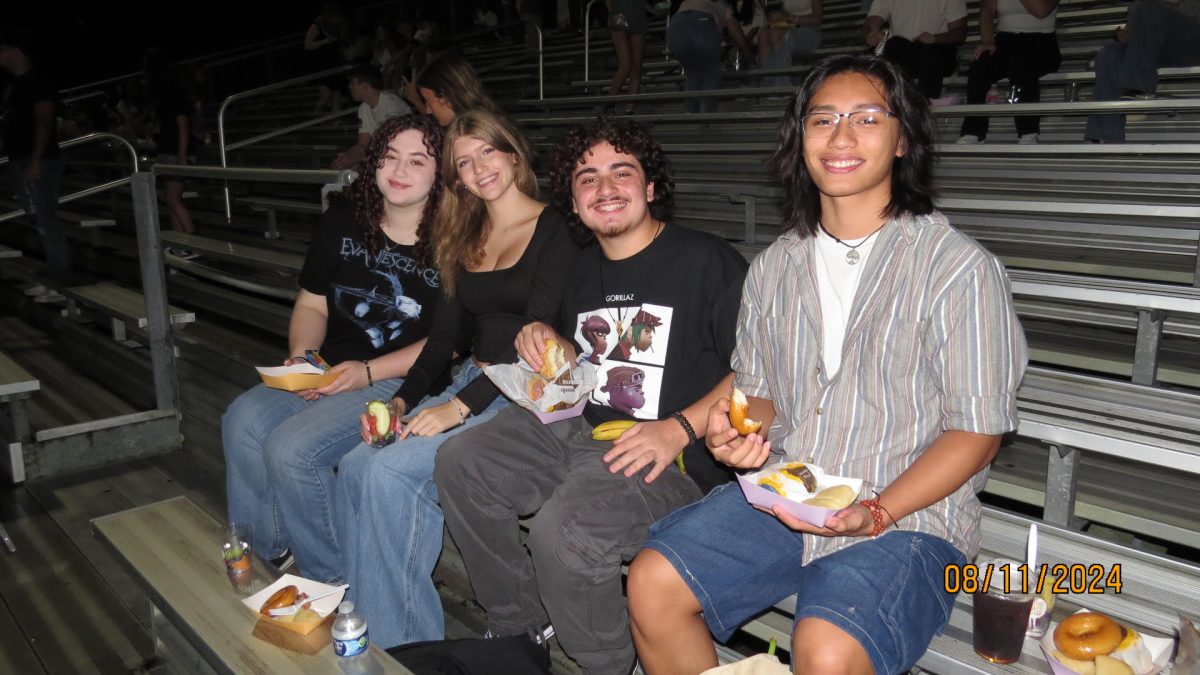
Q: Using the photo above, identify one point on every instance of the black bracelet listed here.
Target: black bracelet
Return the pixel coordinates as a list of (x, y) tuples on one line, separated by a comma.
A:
[(370, 380), (687, 426)]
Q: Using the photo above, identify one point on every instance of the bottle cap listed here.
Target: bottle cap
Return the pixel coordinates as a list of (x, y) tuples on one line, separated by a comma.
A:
[(346, 607)]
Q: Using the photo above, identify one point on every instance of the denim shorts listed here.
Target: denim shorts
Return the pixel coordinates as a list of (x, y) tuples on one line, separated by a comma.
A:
[(887, 592)]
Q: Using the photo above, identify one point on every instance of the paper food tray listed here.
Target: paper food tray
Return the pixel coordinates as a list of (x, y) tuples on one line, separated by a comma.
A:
[(760, 496), (296, 377), (323, 607), (513, 380), (1160, 652)]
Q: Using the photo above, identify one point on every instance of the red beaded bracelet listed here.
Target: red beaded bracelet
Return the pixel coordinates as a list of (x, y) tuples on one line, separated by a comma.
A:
[(877, 510)]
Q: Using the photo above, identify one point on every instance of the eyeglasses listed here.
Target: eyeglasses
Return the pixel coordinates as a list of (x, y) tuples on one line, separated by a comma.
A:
[(863, 121)]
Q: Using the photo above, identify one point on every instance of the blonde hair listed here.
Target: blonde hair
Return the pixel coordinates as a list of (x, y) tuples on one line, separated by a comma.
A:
[(450, 77), (460, 228)]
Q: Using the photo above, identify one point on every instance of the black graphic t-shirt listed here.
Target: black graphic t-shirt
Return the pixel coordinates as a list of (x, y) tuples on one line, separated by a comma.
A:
[(377, 304), (660, 325)]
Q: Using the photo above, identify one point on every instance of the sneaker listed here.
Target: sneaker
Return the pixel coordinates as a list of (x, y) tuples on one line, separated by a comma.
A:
[(35, 290), (49, 297), (1028, 139), (284, 562), (969, 139)]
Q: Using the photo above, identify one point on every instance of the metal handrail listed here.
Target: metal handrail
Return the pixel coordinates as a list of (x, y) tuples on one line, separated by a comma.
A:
[(289, 129), (985, 109), (86, 192), (587, 38), (541, 60), (253, 92), (341, 177)]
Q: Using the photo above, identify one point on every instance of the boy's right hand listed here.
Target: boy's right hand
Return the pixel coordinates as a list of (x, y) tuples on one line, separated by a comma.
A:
[(727, 446), (531, 342)]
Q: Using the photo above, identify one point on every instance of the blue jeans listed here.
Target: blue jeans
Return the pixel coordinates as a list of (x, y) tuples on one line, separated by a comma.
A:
[(280, 451), (40, 201), (888, 593), (695, 38), (1159, 37), (799, 40), (391, 527)]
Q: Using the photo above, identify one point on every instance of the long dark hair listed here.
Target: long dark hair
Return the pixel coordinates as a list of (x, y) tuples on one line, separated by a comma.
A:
[(625, 136), (368, 200), (912, 173)]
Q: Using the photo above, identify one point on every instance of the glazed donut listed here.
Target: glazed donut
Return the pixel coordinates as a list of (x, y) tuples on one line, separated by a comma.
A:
[(739, 409), (1087, 635)]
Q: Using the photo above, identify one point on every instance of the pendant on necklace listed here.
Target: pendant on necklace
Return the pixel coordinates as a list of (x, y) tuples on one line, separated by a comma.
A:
[(620, 328), (852, 257)]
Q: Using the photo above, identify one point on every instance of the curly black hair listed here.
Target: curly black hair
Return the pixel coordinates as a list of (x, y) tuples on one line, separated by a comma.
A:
[(913, 188), (625, 136), (368, 200)]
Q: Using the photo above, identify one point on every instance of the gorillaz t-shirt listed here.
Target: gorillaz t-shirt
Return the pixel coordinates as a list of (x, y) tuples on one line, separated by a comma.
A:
[(660, 325), (376, 303)]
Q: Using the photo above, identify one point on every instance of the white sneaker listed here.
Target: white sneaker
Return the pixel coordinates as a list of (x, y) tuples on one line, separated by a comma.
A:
[(35, 290), (1028, 139), (968, 139)]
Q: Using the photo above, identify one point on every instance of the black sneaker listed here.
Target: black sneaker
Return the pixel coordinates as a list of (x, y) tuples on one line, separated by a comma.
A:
[(284, 562)]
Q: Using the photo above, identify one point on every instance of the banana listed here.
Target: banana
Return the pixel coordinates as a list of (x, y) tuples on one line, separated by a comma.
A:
[(611, 431)]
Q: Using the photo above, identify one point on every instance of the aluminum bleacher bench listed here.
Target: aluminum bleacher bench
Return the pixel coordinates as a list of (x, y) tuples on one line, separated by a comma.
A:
[(6, 252), (239, 253), (123, 307), (271, 205), (16, 385), (1153, 590)]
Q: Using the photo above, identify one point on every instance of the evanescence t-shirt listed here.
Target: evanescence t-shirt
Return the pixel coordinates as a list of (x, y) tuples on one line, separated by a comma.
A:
[(376, 303)]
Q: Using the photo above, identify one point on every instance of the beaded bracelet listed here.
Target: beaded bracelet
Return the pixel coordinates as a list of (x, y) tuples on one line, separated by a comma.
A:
[(687, 426), (458, 408), (370, 380), (877, 510)]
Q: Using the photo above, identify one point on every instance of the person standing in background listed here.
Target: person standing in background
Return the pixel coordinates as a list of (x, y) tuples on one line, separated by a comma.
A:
[(31, 105)]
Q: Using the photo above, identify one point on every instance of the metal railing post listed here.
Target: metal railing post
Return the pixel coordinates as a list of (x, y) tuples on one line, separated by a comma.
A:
[(154, 288), (251, 92), (587, 39), (541, 61)]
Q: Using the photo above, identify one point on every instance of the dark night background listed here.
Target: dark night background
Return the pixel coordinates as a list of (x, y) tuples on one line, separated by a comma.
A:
[(82, 43)]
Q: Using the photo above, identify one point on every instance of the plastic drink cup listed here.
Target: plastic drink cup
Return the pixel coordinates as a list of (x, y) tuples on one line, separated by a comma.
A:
[(236, 542), (377, 410), (1000, 618)]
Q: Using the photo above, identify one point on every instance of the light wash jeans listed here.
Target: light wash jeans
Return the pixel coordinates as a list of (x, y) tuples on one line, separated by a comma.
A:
[(799, 40), (390, 527), (280, 451), (1159, 37)]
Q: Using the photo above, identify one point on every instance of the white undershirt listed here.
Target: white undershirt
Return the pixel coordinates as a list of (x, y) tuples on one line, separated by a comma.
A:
[(837, 282)]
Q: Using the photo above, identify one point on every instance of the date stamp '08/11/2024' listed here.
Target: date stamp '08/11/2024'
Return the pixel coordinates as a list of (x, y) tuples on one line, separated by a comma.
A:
[(1058, 579)]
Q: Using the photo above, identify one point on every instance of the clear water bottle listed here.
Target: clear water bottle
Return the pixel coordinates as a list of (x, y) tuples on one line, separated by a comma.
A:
[(349, 631)]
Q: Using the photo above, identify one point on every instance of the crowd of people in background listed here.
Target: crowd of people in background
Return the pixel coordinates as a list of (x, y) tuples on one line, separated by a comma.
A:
[(440, 259)]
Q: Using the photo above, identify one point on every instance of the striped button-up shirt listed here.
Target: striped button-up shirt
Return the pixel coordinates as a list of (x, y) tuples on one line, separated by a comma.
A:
[(932, 345)]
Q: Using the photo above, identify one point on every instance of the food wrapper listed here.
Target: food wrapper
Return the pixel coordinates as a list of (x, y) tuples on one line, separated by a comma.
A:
[(295, 377), (323, 606), (551, 400), (1146, 657), (794, 492)]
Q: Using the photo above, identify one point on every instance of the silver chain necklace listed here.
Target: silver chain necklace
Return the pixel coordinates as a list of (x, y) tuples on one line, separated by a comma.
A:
[(852, 256)]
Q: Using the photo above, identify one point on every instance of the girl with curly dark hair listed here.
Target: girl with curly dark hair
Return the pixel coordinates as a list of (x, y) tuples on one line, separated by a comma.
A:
[(504, 258), (366, 301)]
